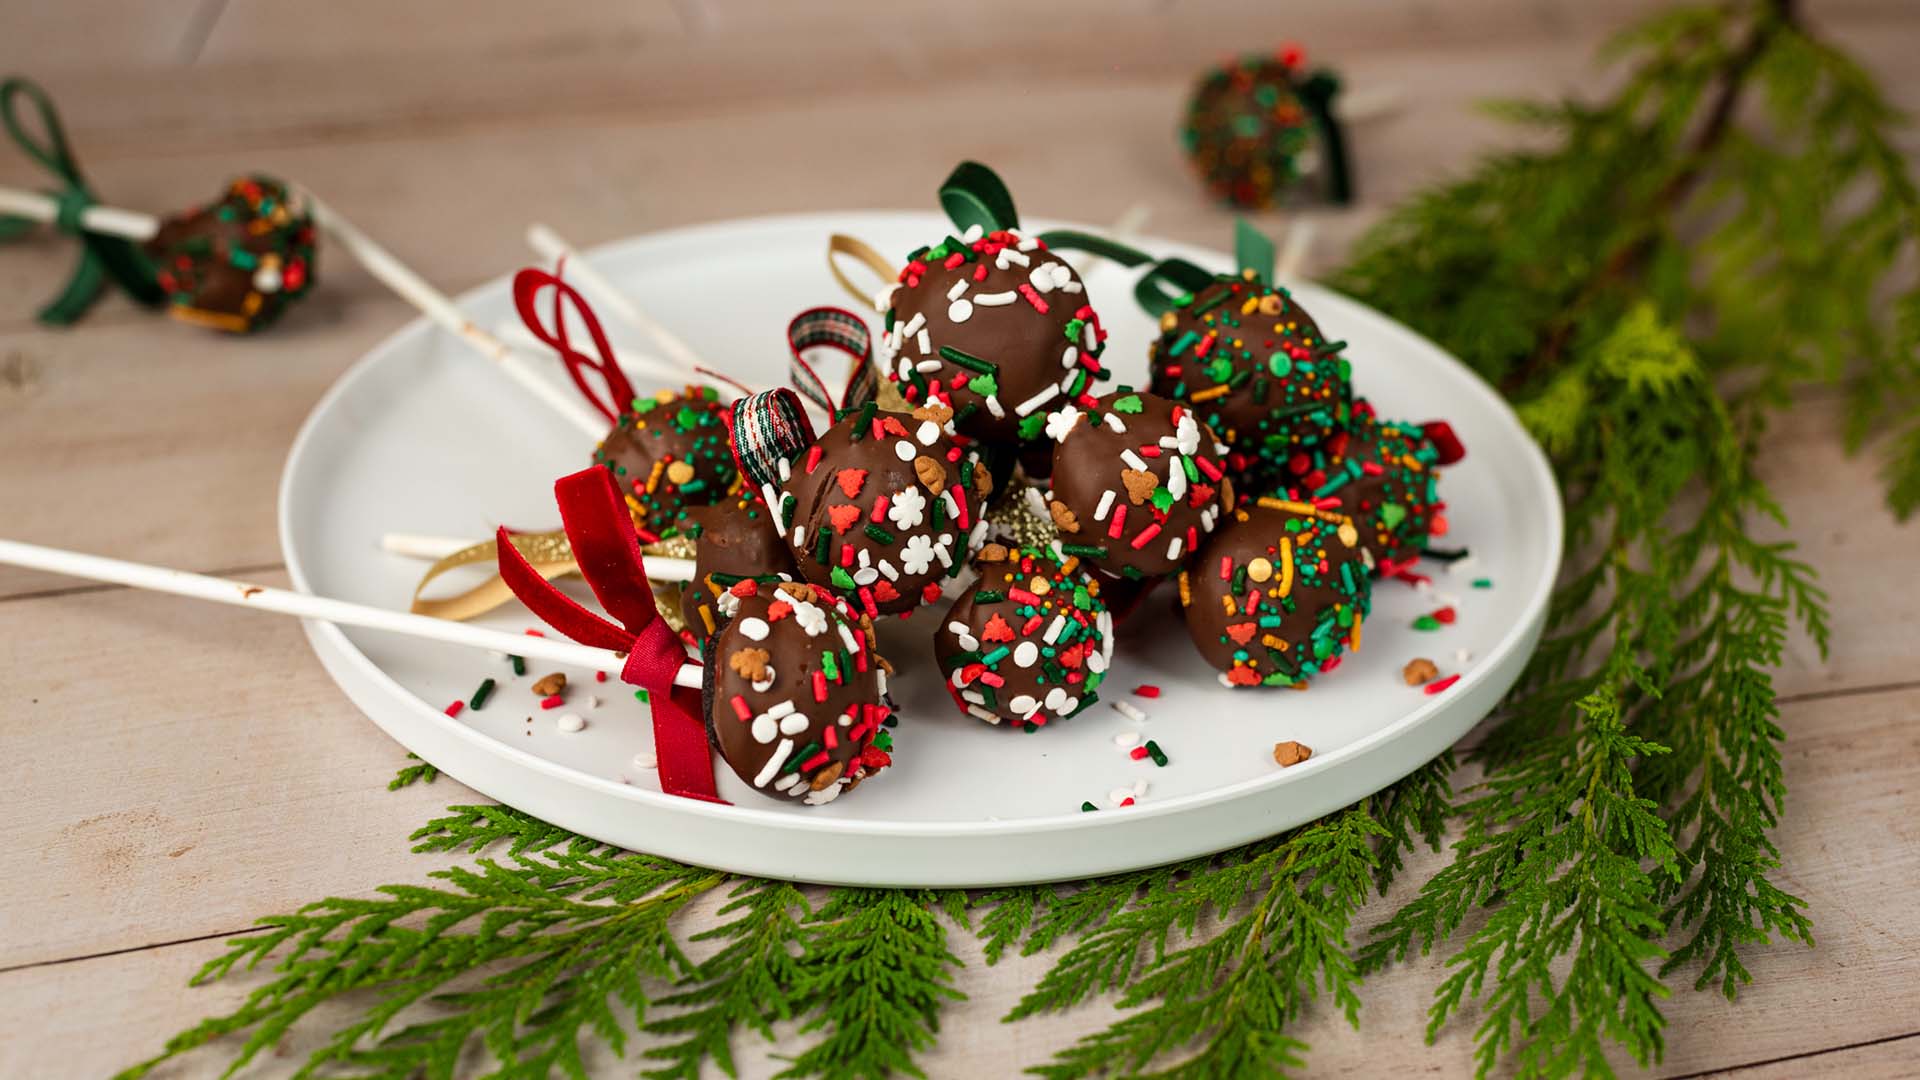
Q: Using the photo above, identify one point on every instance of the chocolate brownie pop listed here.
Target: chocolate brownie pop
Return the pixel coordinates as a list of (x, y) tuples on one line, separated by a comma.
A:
[(883, 507), (735, 540), (669, 452), (1029, 642), (238, 262), (1385, 474), (1137, 482), (1276, 594), (1252, 363), (795, 696), (989, 321)]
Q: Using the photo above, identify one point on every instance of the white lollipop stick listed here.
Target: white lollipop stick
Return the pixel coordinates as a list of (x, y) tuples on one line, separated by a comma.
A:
[(520, 338), (1126, 229), (1293, 251), (415, 546), (127, 224), (284, 602), (553, 247), (414, 289)]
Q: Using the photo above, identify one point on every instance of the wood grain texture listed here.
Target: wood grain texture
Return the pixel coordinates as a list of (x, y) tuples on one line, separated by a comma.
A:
[(174, 772)]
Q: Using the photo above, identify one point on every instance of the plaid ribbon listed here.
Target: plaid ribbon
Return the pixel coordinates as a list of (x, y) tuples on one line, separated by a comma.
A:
[(835, 328), (766, 430)]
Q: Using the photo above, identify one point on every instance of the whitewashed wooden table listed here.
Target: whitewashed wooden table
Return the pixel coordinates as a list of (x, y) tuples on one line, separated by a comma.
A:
[(172, 772)]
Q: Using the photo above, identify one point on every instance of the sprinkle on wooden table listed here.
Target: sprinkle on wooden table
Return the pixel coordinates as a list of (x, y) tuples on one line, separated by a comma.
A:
[(1291, 753), (479, 699), (552, 701), (1129, 710), (1147, 690), (1436, 687), (455, 708)]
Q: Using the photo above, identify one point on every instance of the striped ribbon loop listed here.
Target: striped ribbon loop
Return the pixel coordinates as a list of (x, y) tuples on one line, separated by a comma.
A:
[(768, 429), (835, 328)]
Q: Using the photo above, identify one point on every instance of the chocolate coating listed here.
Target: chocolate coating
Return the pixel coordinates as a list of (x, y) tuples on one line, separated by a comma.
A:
[(1248, 135), (1256, 368), (667, 453), (735, 539), (1277, 594), (1004, 332), (1137, 481), (781, 729), (1385, 474), (886, 506), (238, 262), (1029, 642)]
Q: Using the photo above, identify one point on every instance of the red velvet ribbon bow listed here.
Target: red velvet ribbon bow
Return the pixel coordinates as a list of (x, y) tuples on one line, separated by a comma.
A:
[(607, 551), (526, 290)]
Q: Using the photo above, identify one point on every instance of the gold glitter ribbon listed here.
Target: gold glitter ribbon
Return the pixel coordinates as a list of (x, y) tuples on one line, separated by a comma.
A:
[(551, 557)]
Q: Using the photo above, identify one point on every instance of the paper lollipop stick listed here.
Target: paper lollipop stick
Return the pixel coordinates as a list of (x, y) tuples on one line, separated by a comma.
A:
[(303, 605), (551, 246)]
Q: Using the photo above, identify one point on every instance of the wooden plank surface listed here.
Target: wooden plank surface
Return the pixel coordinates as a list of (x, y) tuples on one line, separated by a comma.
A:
[(174, 772)]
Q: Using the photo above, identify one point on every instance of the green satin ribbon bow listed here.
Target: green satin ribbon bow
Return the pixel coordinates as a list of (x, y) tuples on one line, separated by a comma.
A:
[(103, 259)]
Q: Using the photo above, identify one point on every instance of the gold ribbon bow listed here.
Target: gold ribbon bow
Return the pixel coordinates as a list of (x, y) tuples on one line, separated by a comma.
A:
[(551, 557)]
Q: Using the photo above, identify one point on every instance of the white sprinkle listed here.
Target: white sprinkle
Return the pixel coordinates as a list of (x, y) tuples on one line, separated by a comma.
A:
[(883, 299), (905, 450), (1028, 244), (1097, 661), (960, 311), (1053, 632), (1037, 400), (1126, 739), (1139, 789), (765, 728), (645, 761), (1177, 483), (994, 407), (865, 557), (786, 782), (568, 723), (1087, 340), (915, 324), (846, 638), (926, 366), (1119, 795), (959, 289), (1026, 654), (1118, 425), (785, 468), (1106, 504), (795, 724), (1129, 710), (974, 233), (755, 628), (1059, 700), (1069, 358), (783, 709), (996, 299), (1023, 704), (1072, 286), (593, 702), (957, 628), (1133, 460), (887, 569), (1463, 657), (772, 767), (928, 433), (1173, 549), (926, 343), (1008, 256), (989, 717), (866, 575), (800, 537), (946, 560)]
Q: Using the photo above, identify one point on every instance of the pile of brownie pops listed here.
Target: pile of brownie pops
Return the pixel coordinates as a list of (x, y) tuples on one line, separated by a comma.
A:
[(1247, 473)]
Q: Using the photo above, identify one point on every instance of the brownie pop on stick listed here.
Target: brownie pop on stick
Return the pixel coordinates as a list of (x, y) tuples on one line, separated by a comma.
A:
[(1385, 474), (1138, 481), (1029, 642)]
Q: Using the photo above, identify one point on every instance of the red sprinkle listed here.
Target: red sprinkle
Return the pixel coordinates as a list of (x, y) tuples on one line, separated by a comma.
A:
[(1438, 685), (1137, 753), (455, 708), (599, 676), (552, 702), (740, 708), (1128, 801), (535, 633), (1445, 615), (1147, 690), (819, 686)]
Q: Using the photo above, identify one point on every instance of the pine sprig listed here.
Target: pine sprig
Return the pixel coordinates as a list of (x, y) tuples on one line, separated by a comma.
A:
[(419, 772), (1217, 957), (750, 983), (877, 969)]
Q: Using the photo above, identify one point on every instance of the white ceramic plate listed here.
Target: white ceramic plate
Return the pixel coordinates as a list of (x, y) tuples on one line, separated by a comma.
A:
[(421, 436)]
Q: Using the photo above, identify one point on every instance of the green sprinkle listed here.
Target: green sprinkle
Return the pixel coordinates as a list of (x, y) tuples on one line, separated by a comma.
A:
[(641, 697), (1128, 404), (828, 665), (878, 534), (988, 596), (995, 656), (479, 698), (1180, 344), (840, 578), (984, 385), (1031, 425), (967, 360), (1158, 755), (800, 755), (1085, 551), (1087, 806), (519, 664), (1211, 302), (1426, 622), (1482, 583)]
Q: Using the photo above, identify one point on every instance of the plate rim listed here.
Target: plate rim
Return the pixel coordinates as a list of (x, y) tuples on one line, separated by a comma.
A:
[(1495, 657)]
